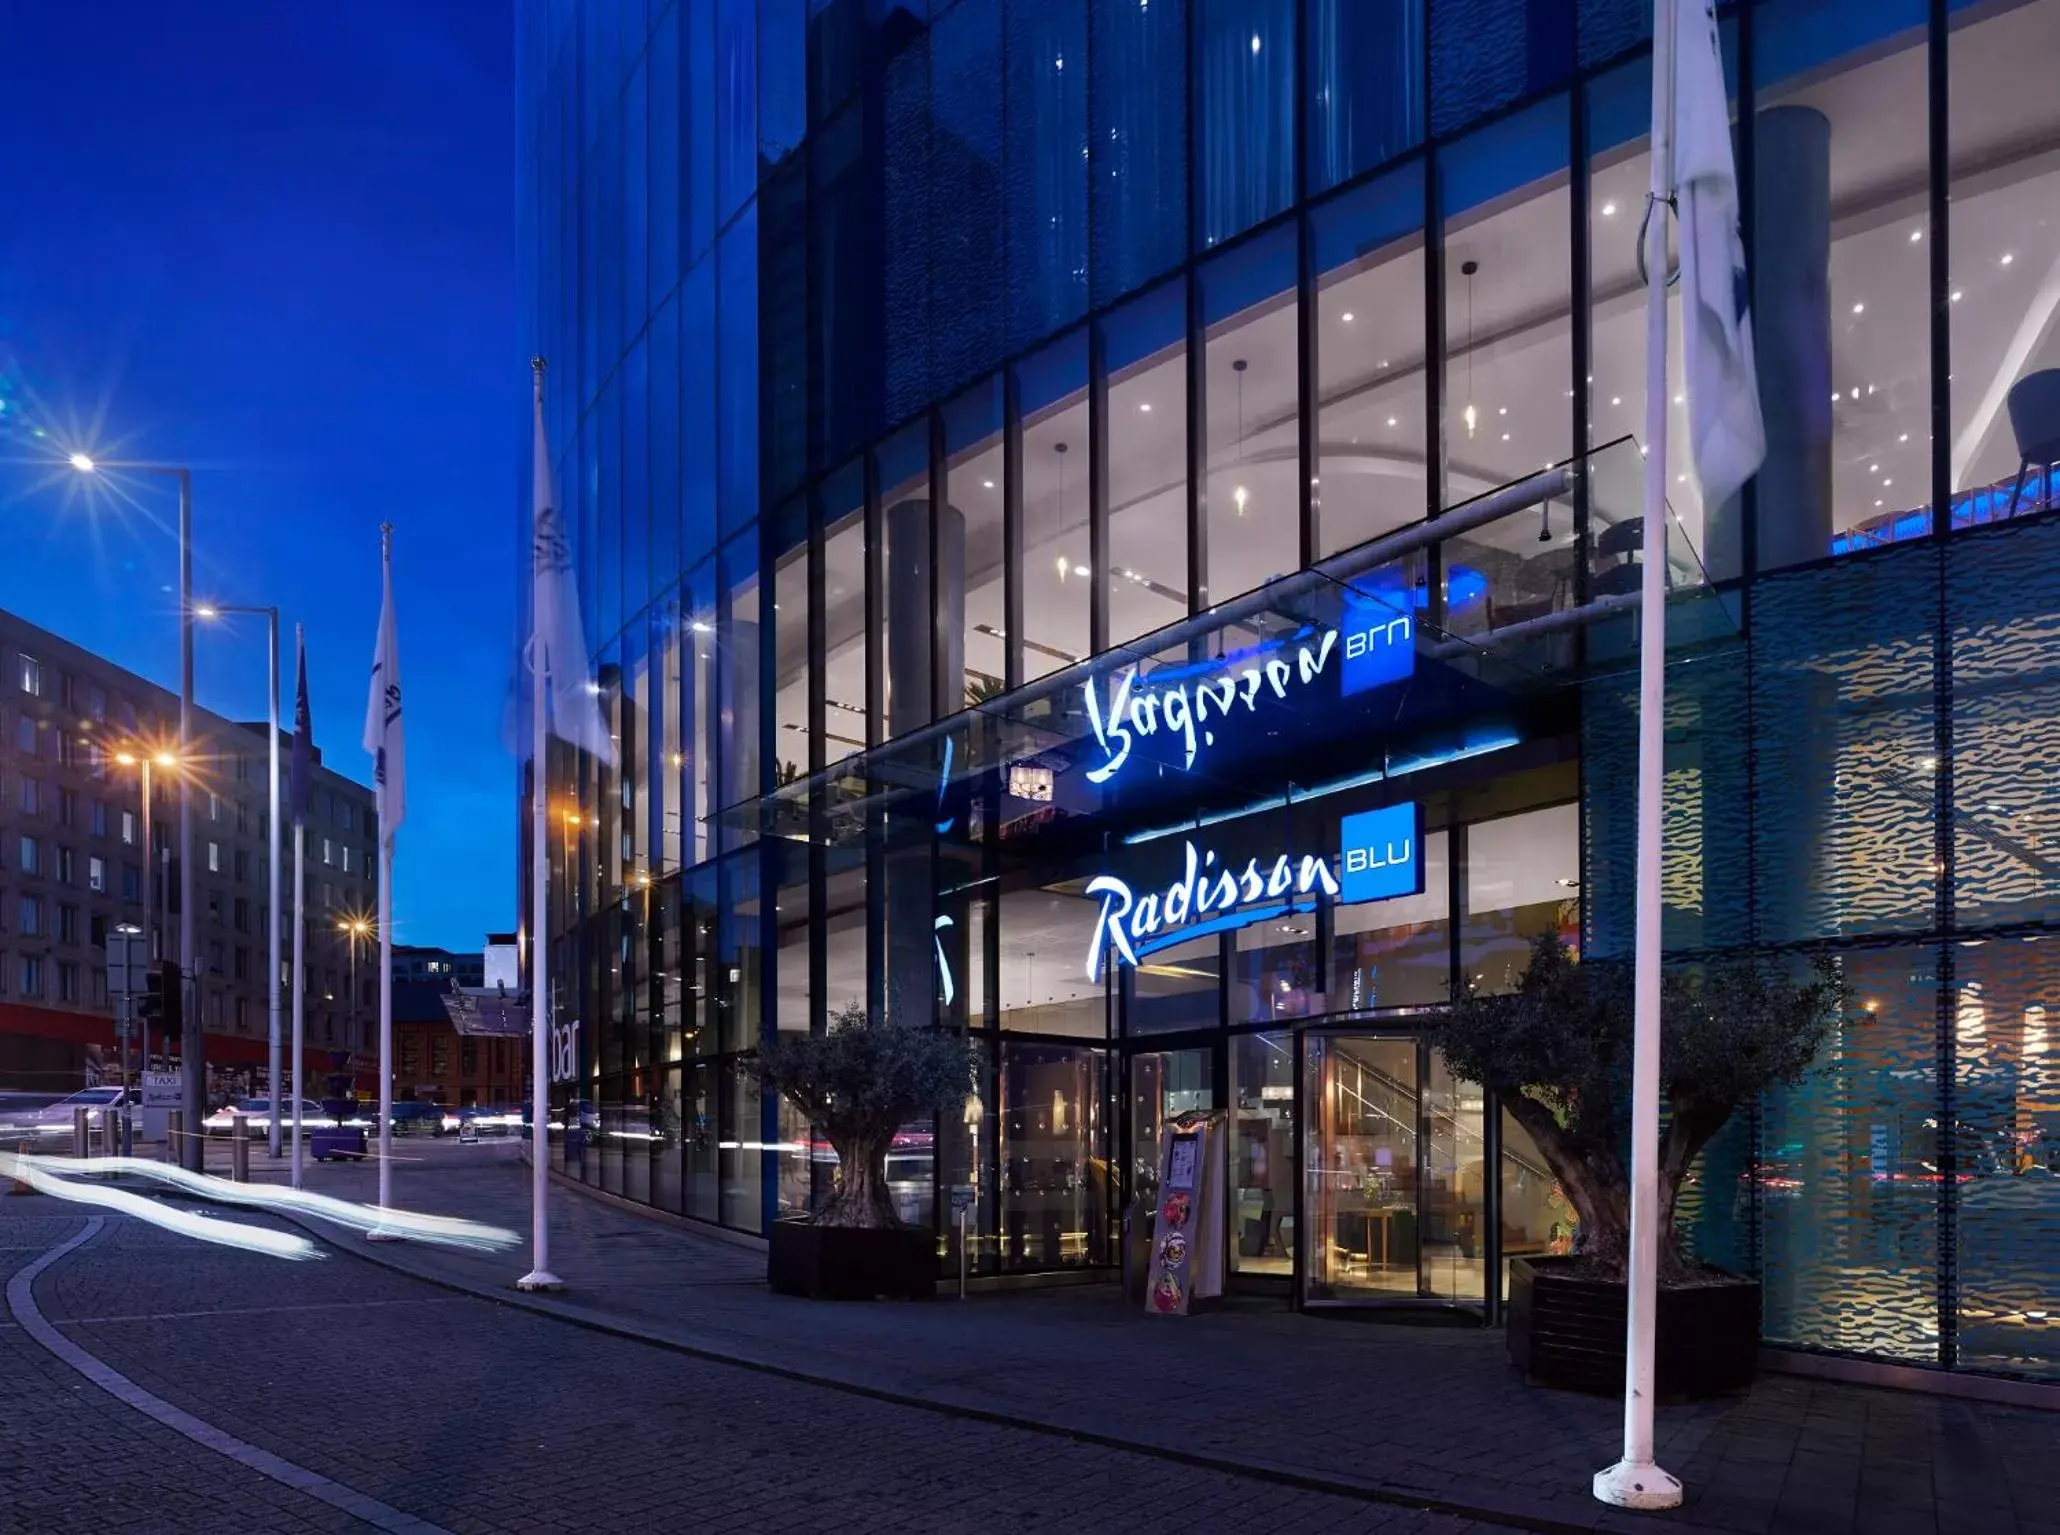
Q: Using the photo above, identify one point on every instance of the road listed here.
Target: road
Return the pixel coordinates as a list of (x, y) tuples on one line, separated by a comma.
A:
[(378, 1401)]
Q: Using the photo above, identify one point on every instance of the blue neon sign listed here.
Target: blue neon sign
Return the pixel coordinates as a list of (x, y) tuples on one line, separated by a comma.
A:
[(1380, 854)]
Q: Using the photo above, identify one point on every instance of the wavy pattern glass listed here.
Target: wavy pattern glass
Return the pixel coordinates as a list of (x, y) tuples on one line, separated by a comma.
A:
[(1842, 721), (1848, 1180)]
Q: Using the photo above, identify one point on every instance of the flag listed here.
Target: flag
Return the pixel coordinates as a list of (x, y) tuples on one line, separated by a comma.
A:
[(383, 736), (557, 641), (1726, 434), (301, 785)]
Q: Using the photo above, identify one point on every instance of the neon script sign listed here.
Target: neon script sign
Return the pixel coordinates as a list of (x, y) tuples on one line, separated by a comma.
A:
[(1192, 705), (1207, 898), (1381, 855)]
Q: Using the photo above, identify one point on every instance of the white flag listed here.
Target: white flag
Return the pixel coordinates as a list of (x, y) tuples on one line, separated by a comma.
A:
[(383, 736), (1724, 426), (558, 644)]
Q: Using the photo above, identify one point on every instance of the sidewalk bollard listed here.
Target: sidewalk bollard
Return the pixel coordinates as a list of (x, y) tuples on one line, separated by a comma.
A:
[(239, 1158), (175, 1130), (82, 1133)]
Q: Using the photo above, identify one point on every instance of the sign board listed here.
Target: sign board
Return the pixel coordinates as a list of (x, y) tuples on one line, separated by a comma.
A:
[(468, 1132), (1187, 1230), (161, 1090), (961, 1198), (1381, 853), (128, 963)]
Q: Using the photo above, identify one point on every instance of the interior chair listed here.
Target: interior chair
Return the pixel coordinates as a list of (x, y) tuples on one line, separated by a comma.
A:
[(2035, 419)]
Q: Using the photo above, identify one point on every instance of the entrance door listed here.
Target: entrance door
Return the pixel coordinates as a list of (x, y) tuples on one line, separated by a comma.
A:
[(1395, 1166)]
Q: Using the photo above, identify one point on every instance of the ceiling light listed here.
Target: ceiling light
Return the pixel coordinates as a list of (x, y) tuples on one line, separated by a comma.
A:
[(1887, 482), (987, 484), (1904, 438), (1859, 308), (1348, 317), (1916, 235), (1956, 295), (700, 626), (1239, 496), (1146, 407), (1679, 398), (1680, 479), (1505, 436), (1255, 42), (1502, 410), (1874, 469), (1609, 210), (1391, 421), (2008, 258), (1877, 500), (1616, 399)]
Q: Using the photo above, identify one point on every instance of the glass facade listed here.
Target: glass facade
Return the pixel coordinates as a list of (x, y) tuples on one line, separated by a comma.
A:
[(954, 403)]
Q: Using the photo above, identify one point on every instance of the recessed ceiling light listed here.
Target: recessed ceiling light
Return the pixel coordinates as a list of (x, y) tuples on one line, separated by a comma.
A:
[(1391, 421), (1887, 482), (1680, 479), (1609, 210), (1347, 317), (1505, 436), (1877, 500), (1679, 398), (1904, 438), (1145, 406), (1956, 295), (1874, 469), (1916, 235), (987, 484), (1255, 42), (2008, 257), (1616, 399), (1502, 410), (1859, 308)]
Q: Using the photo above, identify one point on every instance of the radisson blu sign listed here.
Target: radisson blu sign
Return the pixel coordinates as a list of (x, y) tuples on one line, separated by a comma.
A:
[(1196, 706), (1380, 856)]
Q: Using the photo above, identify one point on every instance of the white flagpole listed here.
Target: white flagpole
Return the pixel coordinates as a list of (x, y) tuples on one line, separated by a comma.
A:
[(539, 1276), (277, 1078), (1635, 1481), (386, 835), (300, 985)]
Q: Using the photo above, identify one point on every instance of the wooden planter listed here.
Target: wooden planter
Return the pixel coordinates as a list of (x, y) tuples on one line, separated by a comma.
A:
[(851, 1262), (1569, 1331)]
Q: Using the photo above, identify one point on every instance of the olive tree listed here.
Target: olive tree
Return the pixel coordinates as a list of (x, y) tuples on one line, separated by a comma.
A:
[(1557, 1052), (858, 1084)]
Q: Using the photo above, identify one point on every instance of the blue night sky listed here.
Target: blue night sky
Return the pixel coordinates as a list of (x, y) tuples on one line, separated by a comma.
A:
[(274, 241)]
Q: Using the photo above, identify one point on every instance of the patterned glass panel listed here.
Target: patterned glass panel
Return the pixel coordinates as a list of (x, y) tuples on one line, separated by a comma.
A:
[(1842, 718), (1848, 1179), (2006, 1095), (2003, 596)]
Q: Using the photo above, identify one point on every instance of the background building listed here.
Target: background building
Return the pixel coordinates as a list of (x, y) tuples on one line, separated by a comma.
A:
[(72, 864), (437, 967), (919, 373)]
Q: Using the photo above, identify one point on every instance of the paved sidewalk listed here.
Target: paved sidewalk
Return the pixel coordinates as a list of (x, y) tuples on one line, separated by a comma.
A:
[(1430, 1415)]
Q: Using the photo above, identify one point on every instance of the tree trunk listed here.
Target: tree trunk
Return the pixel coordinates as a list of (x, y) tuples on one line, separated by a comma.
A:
[(861, 1197), (1592, 1178)]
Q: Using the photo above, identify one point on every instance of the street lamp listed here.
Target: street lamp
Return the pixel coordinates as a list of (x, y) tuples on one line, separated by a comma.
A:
[(356, 928), (271, 616), (145, 758), (193, 1039)]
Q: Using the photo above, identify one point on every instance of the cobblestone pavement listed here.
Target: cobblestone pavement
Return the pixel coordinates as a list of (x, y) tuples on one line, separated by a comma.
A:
[(1426, 1412), (483, 1417)]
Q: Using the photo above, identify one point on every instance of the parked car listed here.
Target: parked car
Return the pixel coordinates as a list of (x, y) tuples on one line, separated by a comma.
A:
[(253, 1116), (412, 1118)]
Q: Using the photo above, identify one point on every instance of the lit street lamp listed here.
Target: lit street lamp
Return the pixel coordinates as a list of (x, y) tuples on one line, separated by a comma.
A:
[(271, 615), (192, 1038), (355, 928), (145, 758)]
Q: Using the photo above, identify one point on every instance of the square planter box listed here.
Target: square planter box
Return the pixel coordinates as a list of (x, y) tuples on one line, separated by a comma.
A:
[(1569, 1331), (851, 1263)]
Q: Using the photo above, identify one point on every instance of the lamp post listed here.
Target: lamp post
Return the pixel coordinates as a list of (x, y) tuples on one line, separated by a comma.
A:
[(356, 928), (271, 616), (192, 1038), (143, 758)]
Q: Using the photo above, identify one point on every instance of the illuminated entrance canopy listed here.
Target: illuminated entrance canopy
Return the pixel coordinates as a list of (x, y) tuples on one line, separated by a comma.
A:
[(1194, 704), (1381, 856)]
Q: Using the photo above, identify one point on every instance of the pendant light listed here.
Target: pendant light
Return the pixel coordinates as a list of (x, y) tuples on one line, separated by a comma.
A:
[(1238, 367), (1060, 449), (1468, 269)]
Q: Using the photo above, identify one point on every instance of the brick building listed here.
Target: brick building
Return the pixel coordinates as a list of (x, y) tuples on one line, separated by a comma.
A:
[(72, 865)]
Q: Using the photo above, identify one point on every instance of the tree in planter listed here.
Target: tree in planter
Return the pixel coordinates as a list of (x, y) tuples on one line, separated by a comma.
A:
[(1557, 1052), (858, 1084)]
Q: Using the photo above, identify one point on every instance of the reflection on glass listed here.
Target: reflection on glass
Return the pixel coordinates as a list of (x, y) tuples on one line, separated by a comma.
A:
[(1253, 445), (1044, 985), (1052, 392), (1176, 988), (971, 589), (1538, 1219), (844, 628), (1053, 1149), (1262, 1154), (1522, 873), (1147, 453), (1275, 971), (1396, 953)]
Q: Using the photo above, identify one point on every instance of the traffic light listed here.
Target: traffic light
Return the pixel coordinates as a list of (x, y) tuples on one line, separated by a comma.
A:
[(159, 1003)]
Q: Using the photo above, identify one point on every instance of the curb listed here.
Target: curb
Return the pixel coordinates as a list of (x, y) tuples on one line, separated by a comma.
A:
[(1491, 1510)]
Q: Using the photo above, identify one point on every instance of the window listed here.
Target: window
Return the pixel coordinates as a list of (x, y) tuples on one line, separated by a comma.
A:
[(242, 910), (67, 866), (97, 817), (67, 807), (343, 852), (1147, 580), (327, 856), (1051, 388), (31, 917), (96, 700), (31, 796), (214, 806), (32, 975), (214, 858), (1252, 511), (214, 956), (242, 866), (128, 828), (31, 856), (214, 906), (243, 1015), (67, 981), (26, 733), (242, 962), (96, 873), (1244, 88), (132, 882), (67, 923), (29, 671)]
